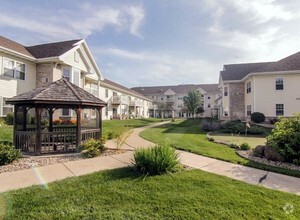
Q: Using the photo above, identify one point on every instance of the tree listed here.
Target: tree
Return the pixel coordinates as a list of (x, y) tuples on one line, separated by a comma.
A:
[(162, 108), (192, 101)]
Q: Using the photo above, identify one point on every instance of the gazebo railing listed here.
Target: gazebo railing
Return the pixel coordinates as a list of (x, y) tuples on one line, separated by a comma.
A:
[(25, 141), (53, 142), (90, 133)]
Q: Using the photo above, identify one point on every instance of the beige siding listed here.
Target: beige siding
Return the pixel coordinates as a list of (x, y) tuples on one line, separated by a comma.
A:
[(11, 87), (266, 96)]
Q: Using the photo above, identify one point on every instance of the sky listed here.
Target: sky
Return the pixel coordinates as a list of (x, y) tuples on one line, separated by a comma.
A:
[(160, 42)]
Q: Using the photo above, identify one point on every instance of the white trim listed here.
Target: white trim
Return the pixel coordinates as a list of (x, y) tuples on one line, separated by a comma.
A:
[(17, 54)]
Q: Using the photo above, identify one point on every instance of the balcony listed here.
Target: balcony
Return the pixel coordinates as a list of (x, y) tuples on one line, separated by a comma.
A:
[(118, 99), (136, 103), (92, 91), (170, 99)]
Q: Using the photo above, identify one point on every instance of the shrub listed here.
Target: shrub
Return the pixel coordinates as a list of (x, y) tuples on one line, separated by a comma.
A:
[(121, 134), (57, 122), (8, 153), (234, 146), (2, 122), (285, 138), (258, 117), (237, 127), (210, 126), (9, 119), (92, 148), (155, 161), (245, 146)]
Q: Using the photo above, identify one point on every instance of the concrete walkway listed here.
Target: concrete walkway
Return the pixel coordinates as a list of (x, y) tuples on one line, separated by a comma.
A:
[(44, 175)]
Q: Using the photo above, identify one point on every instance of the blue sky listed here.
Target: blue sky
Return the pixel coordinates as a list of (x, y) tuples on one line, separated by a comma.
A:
[(160, 42)]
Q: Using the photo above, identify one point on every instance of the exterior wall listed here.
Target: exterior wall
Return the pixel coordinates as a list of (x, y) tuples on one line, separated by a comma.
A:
[(266, 96), (10, 87), (225, 101), (249, 97), (124, 109), (44, 74), (237, 101)]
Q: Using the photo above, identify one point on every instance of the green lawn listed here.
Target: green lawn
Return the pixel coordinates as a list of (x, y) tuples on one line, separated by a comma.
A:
[(238, 139), (121, 194), (6, 132), (187, 135)]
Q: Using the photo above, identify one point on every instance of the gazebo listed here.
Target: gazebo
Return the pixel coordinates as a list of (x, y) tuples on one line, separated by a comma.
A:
[(40, 138)]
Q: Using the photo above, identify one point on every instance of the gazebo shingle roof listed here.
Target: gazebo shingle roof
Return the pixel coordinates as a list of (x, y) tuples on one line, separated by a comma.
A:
[(59, 92)]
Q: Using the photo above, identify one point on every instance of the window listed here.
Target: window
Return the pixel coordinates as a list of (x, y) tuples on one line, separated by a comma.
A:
[(226, 113), (106, 93), (65, 112), (94, 89), (248, 87), (106, 111), (225, 91), (161, 98), (76, 77), (279, 83), (13, 69), (279, 109), (67, 74), (6, 108), (208, 106), (248, 110)]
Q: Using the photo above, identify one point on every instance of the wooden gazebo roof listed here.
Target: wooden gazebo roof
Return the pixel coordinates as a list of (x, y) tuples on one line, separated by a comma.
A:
[(60, 92)]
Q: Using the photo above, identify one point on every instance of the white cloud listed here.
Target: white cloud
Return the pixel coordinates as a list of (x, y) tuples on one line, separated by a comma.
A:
[(148, 68), (78, 22)]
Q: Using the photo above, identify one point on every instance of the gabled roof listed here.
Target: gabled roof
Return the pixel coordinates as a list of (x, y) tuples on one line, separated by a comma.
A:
[(59, 92), (289, 63), (14, 46), (239, 71), (52, 49), (130, 91), (178, 89)]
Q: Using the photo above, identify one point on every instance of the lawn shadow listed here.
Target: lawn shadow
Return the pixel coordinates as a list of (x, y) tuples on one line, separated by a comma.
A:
[(188, 126)]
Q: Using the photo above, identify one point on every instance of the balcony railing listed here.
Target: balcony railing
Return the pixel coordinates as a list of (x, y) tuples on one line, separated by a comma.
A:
[(92, 91), (136, 103), (118, 99), (170, 99)]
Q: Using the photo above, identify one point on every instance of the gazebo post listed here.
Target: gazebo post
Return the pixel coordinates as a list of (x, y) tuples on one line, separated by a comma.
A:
[(100, 121), (50, 110), (16, 107), (24, 120), (38, 140), (78, 128)]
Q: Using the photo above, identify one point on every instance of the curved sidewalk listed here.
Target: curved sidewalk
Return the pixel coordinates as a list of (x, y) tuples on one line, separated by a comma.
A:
[(46, 174)]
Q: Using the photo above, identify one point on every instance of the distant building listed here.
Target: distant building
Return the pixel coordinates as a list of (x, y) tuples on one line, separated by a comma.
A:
[(173, 97)]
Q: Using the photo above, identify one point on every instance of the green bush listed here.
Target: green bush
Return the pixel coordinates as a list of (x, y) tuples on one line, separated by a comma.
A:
[(92, 148), (9, 119), (238, 127), (8, 153), (285, 138), (155, 161), (245, 146), (258, 117)]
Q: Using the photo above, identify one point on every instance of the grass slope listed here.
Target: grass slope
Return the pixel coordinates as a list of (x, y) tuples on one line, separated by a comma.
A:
[(187, 135), (121, 194)]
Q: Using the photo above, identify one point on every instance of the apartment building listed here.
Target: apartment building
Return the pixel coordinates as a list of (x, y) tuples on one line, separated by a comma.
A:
[(23, 68), (123, 102), (173, 95), (271, 88)]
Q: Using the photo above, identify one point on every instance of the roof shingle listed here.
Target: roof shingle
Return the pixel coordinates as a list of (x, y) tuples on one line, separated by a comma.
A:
[(60, 91), (14, 46), (52, 49)]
